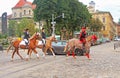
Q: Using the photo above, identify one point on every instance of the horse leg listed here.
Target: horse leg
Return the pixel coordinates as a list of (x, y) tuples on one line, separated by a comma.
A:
[(42, 48), (68, 53), (30, 53), (13, 54), (87, 54), (73, 54), (36, 53), (27, 56), (45, 50), (19, 54), (52, 51)]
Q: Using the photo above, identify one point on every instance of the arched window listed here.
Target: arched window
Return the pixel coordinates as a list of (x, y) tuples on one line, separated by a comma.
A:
[(20, 14), (15, 14), (24, 12), (29, 12), (103, 28), (103, 19)]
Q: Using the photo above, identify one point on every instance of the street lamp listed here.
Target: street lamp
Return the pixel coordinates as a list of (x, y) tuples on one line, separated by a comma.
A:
[(53, 22)]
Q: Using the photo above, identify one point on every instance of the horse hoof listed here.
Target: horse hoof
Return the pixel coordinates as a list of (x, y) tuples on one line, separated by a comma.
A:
[(11, 60), (89, 59), (54, 56), (22, 58), (26, 59), (74, 57), (43, 55), (38, 57), (67, 55)]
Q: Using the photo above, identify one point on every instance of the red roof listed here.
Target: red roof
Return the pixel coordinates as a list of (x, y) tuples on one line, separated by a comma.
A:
[(22, 3)]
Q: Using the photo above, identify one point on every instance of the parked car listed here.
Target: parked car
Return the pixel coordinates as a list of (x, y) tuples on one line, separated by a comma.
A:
[(117, 39), (58, 48)]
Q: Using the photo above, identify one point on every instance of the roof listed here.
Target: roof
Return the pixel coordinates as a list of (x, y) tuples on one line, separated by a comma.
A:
[(102, 12), (21, 3)]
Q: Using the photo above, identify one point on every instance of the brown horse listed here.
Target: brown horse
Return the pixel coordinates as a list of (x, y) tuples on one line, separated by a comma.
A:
[(74, 43), (47, 45), (31, 46)]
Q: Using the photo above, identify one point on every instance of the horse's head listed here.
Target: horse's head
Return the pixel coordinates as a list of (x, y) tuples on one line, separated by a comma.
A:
[(94, 38), (91, 38), (36, 36), (52, 38)]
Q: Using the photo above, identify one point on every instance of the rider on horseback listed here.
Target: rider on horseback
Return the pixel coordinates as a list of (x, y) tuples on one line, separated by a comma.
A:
[(43, 35), (26, 36), (83, 36)]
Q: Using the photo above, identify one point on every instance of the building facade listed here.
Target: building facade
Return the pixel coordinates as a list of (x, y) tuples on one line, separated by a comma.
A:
[(109, 27), (23, 9), (108, 30), (118, 29), (91, 7)]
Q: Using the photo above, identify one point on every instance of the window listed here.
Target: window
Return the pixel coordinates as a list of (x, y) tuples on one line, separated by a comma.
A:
[(24, 12), (103, 28), (15, 14), (103, 19), (29, 12), (20, 14)]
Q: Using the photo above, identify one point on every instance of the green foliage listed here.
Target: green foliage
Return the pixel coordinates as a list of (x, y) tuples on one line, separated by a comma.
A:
[(16, 29), (3, 36), (76, 13), (12, 27), (95, 25), (4, 42)]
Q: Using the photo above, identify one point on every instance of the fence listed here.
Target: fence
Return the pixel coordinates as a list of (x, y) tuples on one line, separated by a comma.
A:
[(116, 45), (1, 48)]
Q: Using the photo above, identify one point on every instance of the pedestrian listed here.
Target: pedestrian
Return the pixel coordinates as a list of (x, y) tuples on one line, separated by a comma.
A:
[(43, 35), (26, 36), (83, 36)]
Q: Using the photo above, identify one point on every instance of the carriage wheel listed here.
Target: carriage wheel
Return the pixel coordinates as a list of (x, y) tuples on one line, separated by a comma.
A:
[(79, 52)]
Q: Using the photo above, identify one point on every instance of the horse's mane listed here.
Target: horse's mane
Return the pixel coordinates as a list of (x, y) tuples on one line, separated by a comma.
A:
[(89, 38), (32, 37), (49, 38)]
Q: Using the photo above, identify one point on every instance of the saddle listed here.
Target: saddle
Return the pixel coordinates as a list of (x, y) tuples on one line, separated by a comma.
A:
[(24, 43)]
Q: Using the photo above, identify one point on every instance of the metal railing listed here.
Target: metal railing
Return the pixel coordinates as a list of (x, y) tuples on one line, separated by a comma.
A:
[(116, 45)]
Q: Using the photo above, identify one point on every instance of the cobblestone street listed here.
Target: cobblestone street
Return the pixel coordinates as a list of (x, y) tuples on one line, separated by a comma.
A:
[(104, 63)]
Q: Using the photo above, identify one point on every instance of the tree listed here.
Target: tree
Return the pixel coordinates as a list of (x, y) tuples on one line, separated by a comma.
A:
[(95, 25), (44, 10), (25, 23), (76, 13), (12, 27), (16, 28)]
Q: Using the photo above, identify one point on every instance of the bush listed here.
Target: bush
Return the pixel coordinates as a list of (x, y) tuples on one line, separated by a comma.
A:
[(3, 36)]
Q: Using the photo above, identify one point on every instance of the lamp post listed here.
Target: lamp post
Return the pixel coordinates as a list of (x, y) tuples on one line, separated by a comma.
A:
[(53, 22)]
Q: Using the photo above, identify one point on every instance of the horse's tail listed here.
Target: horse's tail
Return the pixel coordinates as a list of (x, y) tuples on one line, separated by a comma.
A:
[(9, 47), (66, 47)]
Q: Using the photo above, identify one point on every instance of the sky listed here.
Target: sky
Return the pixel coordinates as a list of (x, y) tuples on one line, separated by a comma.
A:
[(112, 6)]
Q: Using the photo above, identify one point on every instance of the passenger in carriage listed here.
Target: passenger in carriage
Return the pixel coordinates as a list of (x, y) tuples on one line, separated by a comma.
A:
[(83, 36), (26, 36)]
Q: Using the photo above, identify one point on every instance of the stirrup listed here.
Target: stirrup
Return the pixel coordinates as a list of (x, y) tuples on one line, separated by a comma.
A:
[(26, 46)]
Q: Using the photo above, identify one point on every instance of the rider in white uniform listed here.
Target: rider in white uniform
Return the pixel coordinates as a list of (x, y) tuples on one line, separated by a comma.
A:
[(26, 36)]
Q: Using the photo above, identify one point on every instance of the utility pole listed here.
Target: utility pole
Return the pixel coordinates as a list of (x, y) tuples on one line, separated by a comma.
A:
[(53, 22)]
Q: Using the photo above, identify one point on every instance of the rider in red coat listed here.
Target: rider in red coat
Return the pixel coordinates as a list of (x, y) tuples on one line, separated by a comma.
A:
[(83, 36)]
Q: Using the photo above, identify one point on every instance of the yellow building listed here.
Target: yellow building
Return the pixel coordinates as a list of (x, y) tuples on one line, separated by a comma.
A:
[(108, 30), (109, 27)]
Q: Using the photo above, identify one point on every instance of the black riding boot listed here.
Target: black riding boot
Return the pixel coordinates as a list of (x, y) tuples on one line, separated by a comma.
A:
[(26, 44)]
